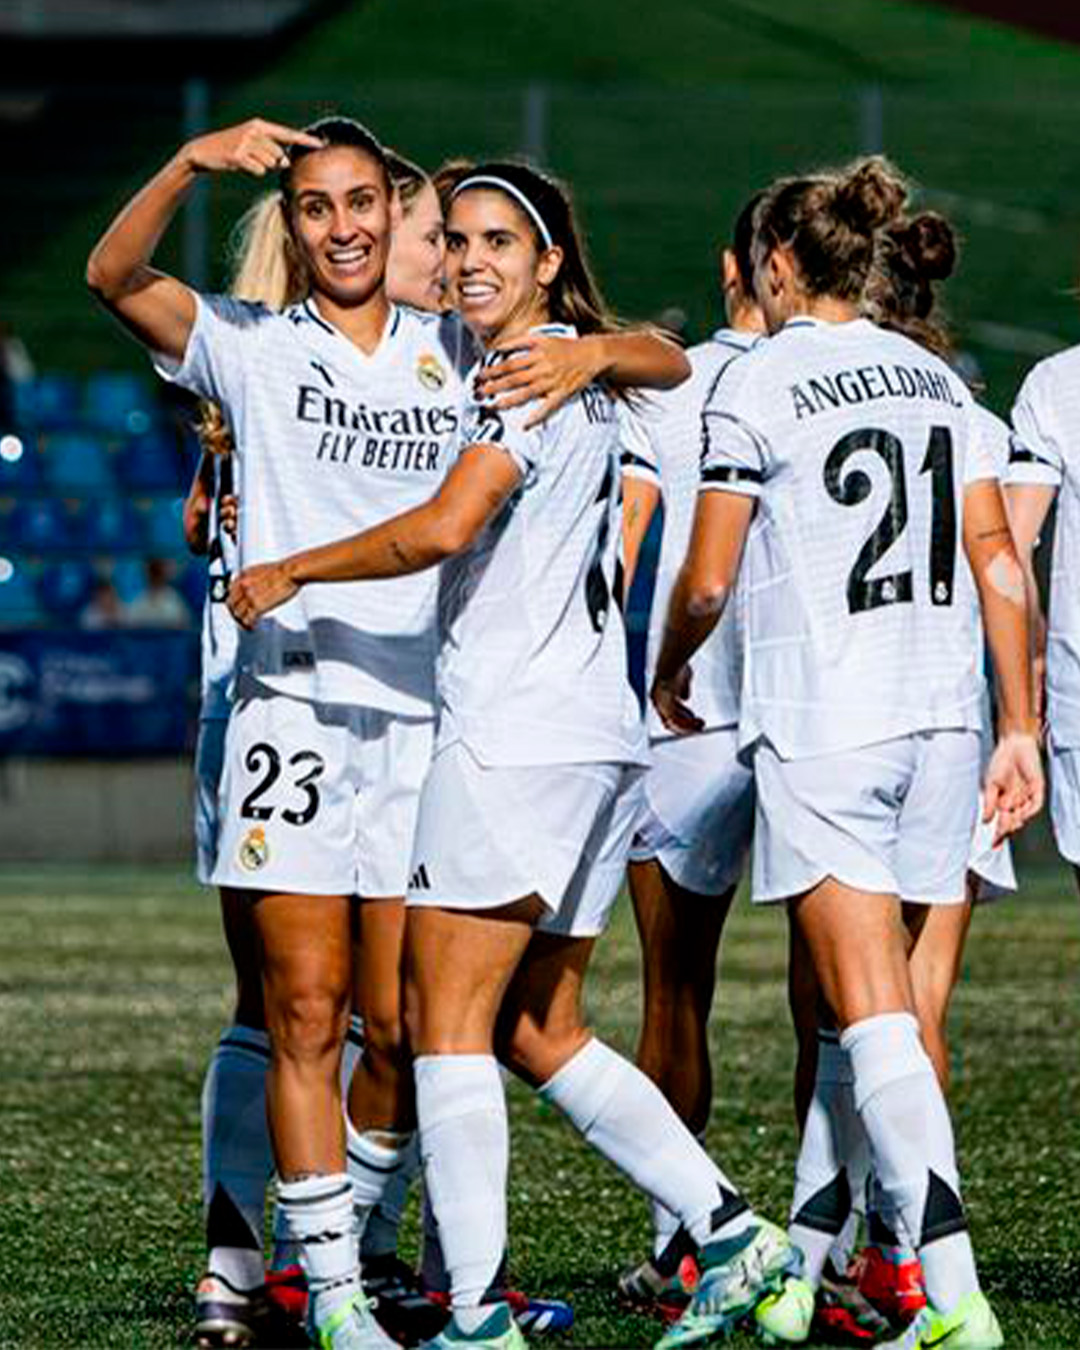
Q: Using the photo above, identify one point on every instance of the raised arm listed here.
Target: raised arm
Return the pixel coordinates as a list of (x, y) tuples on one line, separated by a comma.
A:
[(157, 308), (721, 524), (474, 490), (550, 370), (1014, 779)]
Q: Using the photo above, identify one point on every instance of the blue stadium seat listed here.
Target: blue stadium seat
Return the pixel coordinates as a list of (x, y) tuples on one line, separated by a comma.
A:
[(129, 578), (78, 461), (19, 603), (191, 583), (152, 463), (42, 525), (111, 525), (119, 402), (162, 520), (20, 463), (65, 586), (52, 401)]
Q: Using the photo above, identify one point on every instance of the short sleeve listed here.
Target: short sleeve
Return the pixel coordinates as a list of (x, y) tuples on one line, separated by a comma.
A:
[(1035, 453), (637, 457), (988, 451), (483, 424), (733, 457), (213, 362)]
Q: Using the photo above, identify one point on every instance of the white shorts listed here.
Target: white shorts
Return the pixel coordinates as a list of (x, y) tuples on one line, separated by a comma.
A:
[(209, 758), (1065, 800), (489, 835), (319, 799), (895, 818), (992, 867), (698, 818)]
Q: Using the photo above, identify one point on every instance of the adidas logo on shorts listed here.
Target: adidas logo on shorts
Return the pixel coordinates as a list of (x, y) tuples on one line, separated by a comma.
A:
[(420, 881)]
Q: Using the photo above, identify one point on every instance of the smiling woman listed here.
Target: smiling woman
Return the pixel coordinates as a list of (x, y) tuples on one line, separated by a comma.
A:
[(340, 408)]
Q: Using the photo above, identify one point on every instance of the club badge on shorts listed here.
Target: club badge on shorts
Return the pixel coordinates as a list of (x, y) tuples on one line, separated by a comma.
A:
[(430, 372), (254, 850)]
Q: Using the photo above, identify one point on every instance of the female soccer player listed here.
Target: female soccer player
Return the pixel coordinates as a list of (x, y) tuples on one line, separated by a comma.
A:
[(695, 832), (857, 452), (516, 861), (914, 253), (1043, 467)]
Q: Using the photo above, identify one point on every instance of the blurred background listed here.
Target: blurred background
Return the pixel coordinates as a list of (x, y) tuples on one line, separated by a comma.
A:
[(662, 117)]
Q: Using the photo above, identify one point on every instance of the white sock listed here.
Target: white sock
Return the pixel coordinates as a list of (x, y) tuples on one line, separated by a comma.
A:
[(465, 1146), (237, 1160), (903, 1109), (319, 1217), (375, 1158), (832, 1135), (351, 1051), (885, 1227), (380, 1233), (626, 1117), (286, 1251), (666, 1224), (433, 1270)]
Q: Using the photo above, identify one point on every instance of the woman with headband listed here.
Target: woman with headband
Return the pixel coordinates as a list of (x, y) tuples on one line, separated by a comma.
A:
[(526, 812)]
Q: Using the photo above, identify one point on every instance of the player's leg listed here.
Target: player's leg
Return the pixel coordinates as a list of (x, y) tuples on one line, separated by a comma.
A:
[(858, 944), (288, 837), (458, 966), (236, 1157)]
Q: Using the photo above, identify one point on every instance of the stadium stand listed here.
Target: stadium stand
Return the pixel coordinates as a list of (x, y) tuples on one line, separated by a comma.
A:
[(92, 478)]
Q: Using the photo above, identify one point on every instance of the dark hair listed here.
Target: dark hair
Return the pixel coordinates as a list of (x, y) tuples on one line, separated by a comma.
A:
[(447, 176), (830, 222), (913, 254), (742, 242), (573, 296), (409, 179), (333, 131)]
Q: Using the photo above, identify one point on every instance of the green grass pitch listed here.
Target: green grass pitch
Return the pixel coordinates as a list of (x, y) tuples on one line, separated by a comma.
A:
[(114, 985)]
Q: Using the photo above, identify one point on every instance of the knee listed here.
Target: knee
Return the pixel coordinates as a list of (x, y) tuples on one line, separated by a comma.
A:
[(534, 1052), (308, 1022), (385, 1035)]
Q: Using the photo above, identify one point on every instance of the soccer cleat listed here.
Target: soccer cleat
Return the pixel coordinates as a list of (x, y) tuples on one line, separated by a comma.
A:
[(286, 1290), (401, 1307), (970, 1326), (736, 1276), (894, 1287), (225, 1316), (499, 1331), (539, 1316), (351, 1326), (665, 1283), (842, 1316), (785, 1316)]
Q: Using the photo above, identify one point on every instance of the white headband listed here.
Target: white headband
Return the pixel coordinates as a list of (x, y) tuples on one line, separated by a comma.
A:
[(504, 185)]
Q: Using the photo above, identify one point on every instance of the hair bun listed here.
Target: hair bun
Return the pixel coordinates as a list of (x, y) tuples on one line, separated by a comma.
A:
[(929, 245), (870, 194)]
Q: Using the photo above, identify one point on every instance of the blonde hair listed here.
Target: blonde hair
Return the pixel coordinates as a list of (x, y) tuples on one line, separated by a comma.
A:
[(408, 178), (266, 269)]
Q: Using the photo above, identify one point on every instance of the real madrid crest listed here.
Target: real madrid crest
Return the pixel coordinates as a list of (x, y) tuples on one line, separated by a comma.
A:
[(430, 372), (254, 850)]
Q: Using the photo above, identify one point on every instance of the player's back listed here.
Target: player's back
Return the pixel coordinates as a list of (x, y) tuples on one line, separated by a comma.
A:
[(860, 444)]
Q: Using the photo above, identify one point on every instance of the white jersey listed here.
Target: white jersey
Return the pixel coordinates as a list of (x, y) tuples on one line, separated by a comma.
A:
[(857, 444), (220, 632), (330, 441), (1046, 449), (532, 663), (672, 426)]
